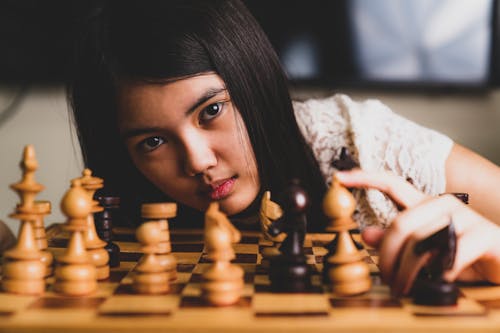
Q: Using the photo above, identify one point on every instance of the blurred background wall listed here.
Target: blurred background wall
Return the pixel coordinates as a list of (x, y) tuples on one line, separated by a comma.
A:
[(433, 61)]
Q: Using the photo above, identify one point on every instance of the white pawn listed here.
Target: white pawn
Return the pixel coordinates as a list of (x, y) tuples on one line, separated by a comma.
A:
[(75, 274), (223, 282), (41, 209), (347, 272), (150, 277), (160, 213), (94, 245)]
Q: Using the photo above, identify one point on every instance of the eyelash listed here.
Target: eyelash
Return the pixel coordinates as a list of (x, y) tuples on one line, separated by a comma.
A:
[(159, 140), (143, 143), (205, 111)]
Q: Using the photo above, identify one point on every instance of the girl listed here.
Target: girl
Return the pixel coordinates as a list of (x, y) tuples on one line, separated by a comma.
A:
[(186, 101)]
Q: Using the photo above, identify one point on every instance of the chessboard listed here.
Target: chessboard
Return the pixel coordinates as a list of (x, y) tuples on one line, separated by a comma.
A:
[(115, 307)]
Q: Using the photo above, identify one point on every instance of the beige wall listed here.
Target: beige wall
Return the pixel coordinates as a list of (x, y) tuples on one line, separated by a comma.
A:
[(41, 119)]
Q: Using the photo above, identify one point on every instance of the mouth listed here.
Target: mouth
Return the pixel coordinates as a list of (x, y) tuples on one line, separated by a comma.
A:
[(221, 189)]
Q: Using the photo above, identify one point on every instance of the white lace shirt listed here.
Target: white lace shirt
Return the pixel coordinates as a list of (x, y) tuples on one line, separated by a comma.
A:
[(377, 139)]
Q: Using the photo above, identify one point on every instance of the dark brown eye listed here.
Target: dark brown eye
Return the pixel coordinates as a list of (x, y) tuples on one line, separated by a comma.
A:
[(210, 112), (151, 143)]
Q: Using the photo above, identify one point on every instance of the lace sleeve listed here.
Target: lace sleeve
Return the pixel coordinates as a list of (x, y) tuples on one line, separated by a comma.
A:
[(325, 129), (387, 141), (379, 140)]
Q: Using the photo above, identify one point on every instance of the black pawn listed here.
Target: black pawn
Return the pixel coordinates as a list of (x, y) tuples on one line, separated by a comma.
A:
[(430, 288), (104, 227), (345, 161), (464, 197), (289, 271)]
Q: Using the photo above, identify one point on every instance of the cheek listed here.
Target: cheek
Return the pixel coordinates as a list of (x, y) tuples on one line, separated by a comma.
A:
[(245, 157), (245, 152), (162, 173)]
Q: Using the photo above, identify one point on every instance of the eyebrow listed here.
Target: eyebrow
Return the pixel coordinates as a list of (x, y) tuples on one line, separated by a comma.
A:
[(205, 97), (210, 93), (130, 133)]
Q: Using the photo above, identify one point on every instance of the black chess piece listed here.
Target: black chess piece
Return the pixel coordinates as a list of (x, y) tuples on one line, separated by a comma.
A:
[(430, 288), (104, 226), (462, 196), (345, 161), (289, 271)]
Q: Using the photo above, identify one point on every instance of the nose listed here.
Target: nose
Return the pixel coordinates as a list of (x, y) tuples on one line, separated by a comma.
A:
[(198, 154)]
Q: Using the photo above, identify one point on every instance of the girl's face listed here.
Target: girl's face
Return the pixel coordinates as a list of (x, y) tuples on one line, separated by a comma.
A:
[(189, 140)]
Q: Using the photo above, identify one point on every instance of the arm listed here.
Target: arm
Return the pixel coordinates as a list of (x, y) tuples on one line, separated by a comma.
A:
[(468, 172)]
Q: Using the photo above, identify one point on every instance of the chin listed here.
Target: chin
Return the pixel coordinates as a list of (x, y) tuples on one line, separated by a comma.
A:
[(239, 205), (233, 206), (229, 209)]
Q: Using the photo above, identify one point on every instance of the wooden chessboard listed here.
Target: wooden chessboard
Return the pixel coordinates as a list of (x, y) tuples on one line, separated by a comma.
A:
[(114, 307)]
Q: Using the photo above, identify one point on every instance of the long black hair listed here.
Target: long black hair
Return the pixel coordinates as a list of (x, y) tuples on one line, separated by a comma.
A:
[(159, 40)]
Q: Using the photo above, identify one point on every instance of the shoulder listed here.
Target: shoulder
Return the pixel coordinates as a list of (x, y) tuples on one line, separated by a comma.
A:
[(377, 136), (330, 123), (338, 113), (337, 104), (325, 127), (337, 121), (316, 113), (378, 139)]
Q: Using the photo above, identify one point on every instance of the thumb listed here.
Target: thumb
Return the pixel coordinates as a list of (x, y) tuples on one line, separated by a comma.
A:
[(372, 236)]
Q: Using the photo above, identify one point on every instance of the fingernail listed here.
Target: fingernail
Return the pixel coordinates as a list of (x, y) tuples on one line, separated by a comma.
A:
[(340, 174), (449, 276)]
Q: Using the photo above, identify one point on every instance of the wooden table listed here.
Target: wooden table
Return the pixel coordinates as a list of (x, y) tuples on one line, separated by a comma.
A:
[(115, 308)]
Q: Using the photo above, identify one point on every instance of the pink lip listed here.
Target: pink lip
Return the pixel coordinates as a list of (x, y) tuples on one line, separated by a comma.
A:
[(221, 189)]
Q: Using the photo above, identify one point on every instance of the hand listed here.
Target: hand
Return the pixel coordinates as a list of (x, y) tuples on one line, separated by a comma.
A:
[(478, 252)]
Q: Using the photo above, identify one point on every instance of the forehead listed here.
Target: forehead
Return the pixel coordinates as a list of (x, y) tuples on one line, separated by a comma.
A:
[(179, 89), (135, 97)]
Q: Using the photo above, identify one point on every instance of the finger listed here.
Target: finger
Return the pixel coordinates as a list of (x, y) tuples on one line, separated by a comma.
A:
[(394, 247), (469, 274), (488, 268), (398, 189), (420, 221), (477, 246), (373, 236), (410, 265), (481, 270)]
